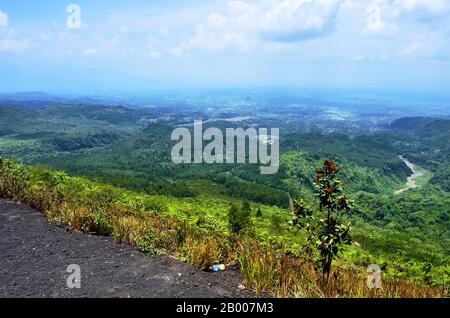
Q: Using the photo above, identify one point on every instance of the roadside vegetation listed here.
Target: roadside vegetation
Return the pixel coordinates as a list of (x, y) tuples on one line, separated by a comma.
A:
[(143, 221)]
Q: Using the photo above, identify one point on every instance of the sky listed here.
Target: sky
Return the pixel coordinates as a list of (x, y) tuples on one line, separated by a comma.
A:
[(85, 45)]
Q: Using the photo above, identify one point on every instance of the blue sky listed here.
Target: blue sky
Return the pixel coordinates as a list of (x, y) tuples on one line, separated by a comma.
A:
[(137, 44)]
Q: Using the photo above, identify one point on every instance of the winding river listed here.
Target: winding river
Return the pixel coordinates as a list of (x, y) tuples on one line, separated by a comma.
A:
[(410, 181)]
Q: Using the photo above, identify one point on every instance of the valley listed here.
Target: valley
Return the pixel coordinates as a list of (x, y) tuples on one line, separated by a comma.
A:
[(126, 151)]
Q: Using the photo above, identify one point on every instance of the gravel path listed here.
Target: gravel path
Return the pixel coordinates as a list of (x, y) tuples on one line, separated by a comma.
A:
[(35, 254)]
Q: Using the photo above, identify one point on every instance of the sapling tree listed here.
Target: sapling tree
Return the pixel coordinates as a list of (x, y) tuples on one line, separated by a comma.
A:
[(328, 233), (259, 213), (276, 221), (239, 218), (246, 208)]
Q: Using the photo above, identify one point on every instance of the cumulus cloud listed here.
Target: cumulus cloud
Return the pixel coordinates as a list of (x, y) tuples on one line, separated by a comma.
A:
[(354, 30), (247, 24), (350, 29), (297, 20)]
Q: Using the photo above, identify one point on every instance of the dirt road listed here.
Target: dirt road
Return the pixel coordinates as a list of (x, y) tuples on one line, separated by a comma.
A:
[(35, 254)]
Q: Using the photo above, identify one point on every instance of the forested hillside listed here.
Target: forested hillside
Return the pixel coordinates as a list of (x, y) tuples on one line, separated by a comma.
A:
[(129, 149)]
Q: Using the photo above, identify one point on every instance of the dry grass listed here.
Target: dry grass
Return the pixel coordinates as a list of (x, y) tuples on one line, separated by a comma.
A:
[(265, 268)]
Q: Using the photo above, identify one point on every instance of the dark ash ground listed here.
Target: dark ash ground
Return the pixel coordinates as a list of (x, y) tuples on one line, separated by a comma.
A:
[(34, 255)]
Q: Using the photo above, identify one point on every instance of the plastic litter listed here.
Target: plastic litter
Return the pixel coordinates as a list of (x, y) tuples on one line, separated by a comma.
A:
[(217, 268)]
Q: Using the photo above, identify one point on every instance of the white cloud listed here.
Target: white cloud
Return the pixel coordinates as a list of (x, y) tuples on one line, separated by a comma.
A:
[(176, 51), (14, 45), (247, 25), (90, 51), (296, 20), (8, 38), (205, 38), (426, 45), (154, 55), (421, 8), (384, 17), (4, 20), (306, 30)]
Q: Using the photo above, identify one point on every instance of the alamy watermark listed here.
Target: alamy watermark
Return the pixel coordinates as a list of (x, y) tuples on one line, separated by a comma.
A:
[(374, 276), (262, 147), (74, 279), (74, 18)]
